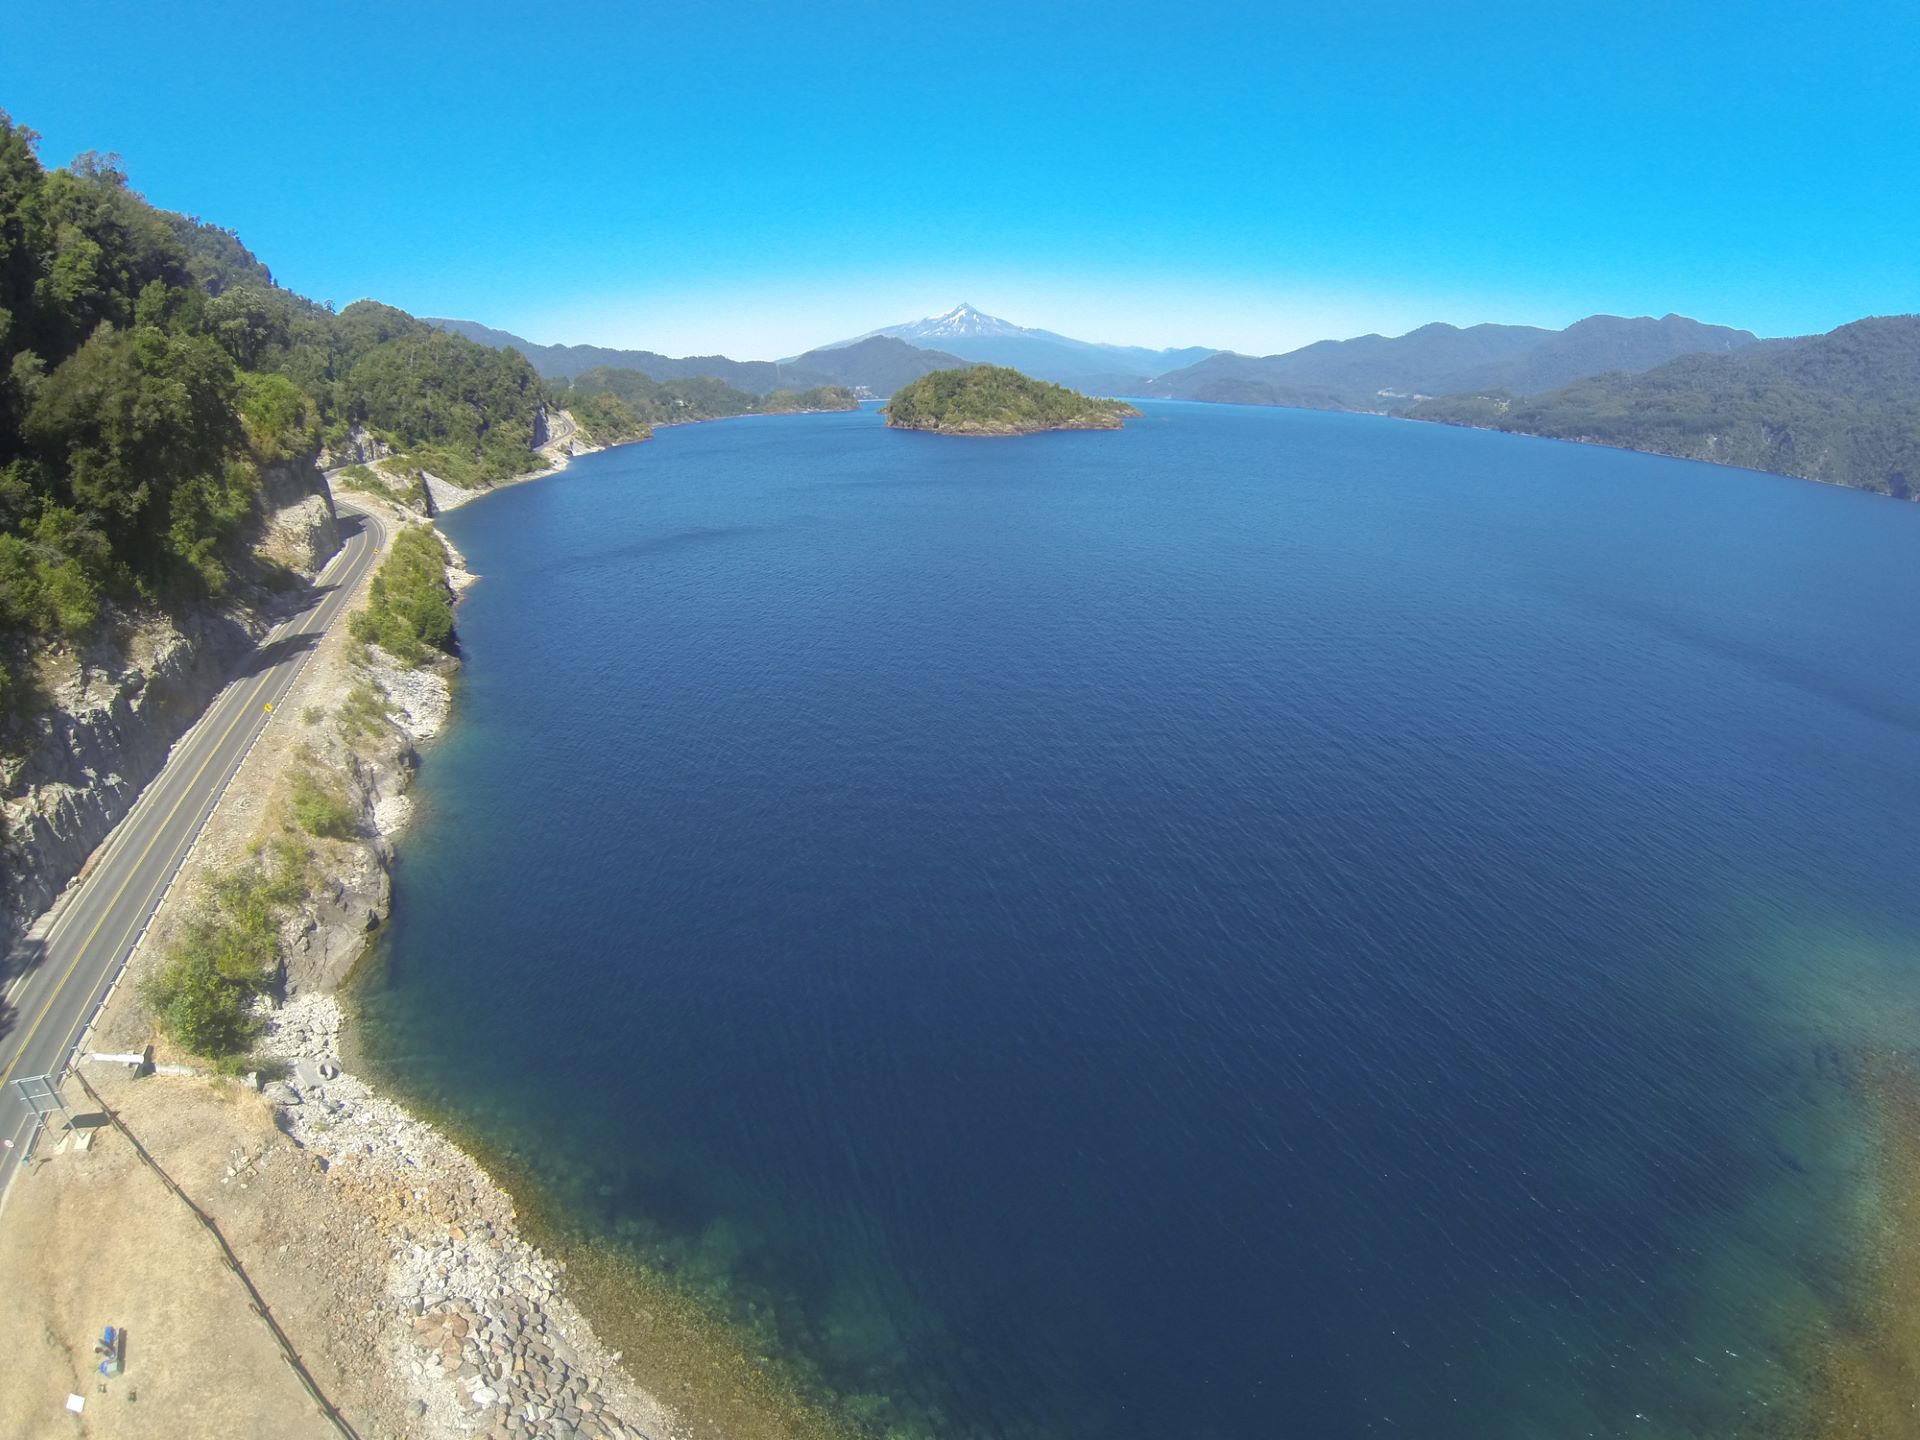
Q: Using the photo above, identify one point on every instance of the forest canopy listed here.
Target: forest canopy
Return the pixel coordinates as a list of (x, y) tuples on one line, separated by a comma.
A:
[(151, 371), (995, 400), (1843, 407), (615, 404)]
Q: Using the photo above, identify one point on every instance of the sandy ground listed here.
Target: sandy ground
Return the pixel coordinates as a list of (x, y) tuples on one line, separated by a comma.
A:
[(127, 1253)]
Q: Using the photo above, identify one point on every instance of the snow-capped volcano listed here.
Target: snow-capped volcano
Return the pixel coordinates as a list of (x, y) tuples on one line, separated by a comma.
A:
[(974, 335), (961, 321)]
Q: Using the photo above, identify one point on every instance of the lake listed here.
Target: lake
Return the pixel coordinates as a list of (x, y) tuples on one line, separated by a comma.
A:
[(1262, 924)]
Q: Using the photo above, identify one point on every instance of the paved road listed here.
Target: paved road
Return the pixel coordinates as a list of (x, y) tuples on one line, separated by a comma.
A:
[(45, 1007)]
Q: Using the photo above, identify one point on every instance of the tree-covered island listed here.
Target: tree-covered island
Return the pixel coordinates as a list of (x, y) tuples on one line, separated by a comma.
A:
[(994, 400)]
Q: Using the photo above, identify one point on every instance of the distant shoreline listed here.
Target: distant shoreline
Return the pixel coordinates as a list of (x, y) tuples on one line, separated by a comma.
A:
[(563, 459), (1589, 441)]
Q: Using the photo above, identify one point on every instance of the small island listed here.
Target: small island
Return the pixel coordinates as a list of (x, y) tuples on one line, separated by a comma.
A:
[(994, 400)]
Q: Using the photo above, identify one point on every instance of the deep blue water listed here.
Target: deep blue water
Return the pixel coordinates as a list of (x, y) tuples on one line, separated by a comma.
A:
[(1262, 924)]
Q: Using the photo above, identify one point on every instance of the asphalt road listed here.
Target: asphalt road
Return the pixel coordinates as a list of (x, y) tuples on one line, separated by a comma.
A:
[(53, 987)]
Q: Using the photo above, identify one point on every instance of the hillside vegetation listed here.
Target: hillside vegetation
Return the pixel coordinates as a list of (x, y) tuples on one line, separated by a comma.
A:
[(409, 610), (877, 363), (1842, 407), (993, 400), (151, 373), (1382, 373), (618, 404)]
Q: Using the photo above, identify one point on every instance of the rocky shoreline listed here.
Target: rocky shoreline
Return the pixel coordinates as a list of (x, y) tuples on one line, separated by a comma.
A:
[(1002, 429), (483, 1340), (491, 1344)]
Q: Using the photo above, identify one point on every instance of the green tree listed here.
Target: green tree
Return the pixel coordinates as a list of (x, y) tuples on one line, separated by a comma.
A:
[(409, 610), (135, 419)]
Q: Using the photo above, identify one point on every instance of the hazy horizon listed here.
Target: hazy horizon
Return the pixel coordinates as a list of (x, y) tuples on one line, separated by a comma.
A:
[(763, 182)]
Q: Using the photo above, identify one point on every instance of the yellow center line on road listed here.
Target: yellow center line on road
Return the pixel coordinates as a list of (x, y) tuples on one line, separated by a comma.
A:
[(187, 742), (246, 711), (139, 860)]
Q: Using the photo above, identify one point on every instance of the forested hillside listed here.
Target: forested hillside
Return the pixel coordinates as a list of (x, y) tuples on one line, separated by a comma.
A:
[(617, 404), (876, 363), (1382, 373), (1843, 407), (564, 362), (151, 372)]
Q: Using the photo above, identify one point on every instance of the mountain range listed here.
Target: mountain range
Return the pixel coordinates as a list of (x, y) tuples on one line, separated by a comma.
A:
[(1043, 354), (1377, 372), (1843, 407), (877, 364), (1839, 407), (1370, 372)]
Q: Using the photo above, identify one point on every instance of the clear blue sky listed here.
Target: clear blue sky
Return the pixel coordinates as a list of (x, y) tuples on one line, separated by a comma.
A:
[(758, 178)]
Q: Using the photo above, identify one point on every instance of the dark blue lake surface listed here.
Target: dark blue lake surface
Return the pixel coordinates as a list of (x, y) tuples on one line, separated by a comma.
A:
[(1262, 924)]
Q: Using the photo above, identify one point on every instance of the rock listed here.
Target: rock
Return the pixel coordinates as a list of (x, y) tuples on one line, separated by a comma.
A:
[(303, 535), (116, 714)]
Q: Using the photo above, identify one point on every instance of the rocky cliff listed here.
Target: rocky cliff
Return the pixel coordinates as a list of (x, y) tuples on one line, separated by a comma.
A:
[(116, 707), (352, 890)]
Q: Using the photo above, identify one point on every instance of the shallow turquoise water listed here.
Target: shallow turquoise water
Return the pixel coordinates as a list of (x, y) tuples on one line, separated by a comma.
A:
[(1265, 923)]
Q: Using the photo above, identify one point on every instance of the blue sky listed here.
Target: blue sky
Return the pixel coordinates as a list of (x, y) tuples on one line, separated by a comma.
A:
[(756, 179)]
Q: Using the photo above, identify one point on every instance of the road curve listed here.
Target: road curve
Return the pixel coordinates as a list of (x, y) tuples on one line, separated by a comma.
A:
[(56, 985)]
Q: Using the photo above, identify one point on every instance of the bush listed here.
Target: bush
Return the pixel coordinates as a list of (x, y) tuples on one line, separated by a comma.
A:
[(43, 589), (409, 610), (203, 992), (322, 811), (72, 600), (363, 712), (278, 417), (201, 1009)]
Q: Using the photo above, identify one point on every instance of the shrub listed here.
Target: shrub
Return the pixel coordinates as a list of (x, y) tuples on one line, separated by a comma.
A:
[(363, 713), (409, 610), (200, 1008), (277, 415), (320, 810), (202, 993)]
